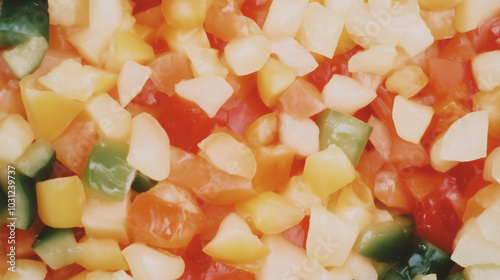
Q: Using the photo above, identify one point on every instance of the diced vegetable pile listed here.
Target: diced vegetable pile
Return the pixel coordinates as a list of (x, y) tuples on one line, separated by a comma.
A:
[(250, 139)]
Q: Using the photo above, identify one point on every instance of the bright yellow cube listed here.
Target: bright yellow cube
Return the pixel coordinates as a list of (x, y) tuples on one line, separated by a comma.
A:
[(49, 113), (328, 171), (273, 79), (61, 201), (104, 254), (127, 46)]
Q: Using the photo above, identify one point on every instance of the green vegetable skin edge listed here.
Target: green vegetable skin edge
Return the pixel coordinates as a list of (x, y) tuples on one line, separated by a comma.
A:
[(422, 259), (26, 204), (48, 234), (107, 173), (142, 182), (21, 20), (37, 161), (24, 24), (386, 241), (347, 132), (57, 247), (4, 213)]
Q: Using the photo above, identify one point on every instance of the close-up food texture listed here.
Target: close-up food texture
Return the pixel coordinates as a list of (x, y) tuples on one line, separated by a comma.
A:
[(250, 139)]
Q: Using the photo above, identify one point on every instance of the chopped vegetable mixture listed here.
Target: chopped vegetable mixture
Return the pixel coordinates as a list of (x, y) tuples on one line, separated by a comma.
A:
[(250, 139)]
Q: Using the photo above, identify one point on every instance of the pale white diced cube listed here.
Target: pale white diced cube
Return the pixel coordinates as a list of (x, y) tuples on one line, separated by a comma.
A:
[(283, 260), (470, 14), (417, 39), (341, 7), (361, 268), (411, 119), (15, 135), (111, 119), (301, 134), (330, 238), (346, 95), (132, 78), (151, 264), (69, 13), (70, 79), (294, 55), (246, 55), (467, 138), (486, 70), (482, 272), (205, 61), (489, 224), (105, 13), (284, 18), (491, 170), (149, 147), (435, 156), (471, 248), (320, 30), (376, 60), (210, 93), (228, 154)]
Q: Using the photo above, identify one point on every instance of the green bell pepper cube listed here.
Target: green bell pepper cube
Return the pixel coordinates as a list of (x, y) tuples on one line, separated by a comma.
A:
[(386, 241), (347, 132), (107, 173), (21, 20), (422, 259)]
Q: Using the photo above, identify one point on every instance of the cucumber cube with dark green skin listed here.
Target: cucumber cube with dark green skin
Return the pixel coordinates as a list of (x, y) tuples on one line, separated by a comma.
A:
[(456, 276), (107, 174), (37, 161), (386, 241), (347, 132), (422, 259), (25, 199), (48, 234), (142, 182), (21, 20), (57, 247)]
